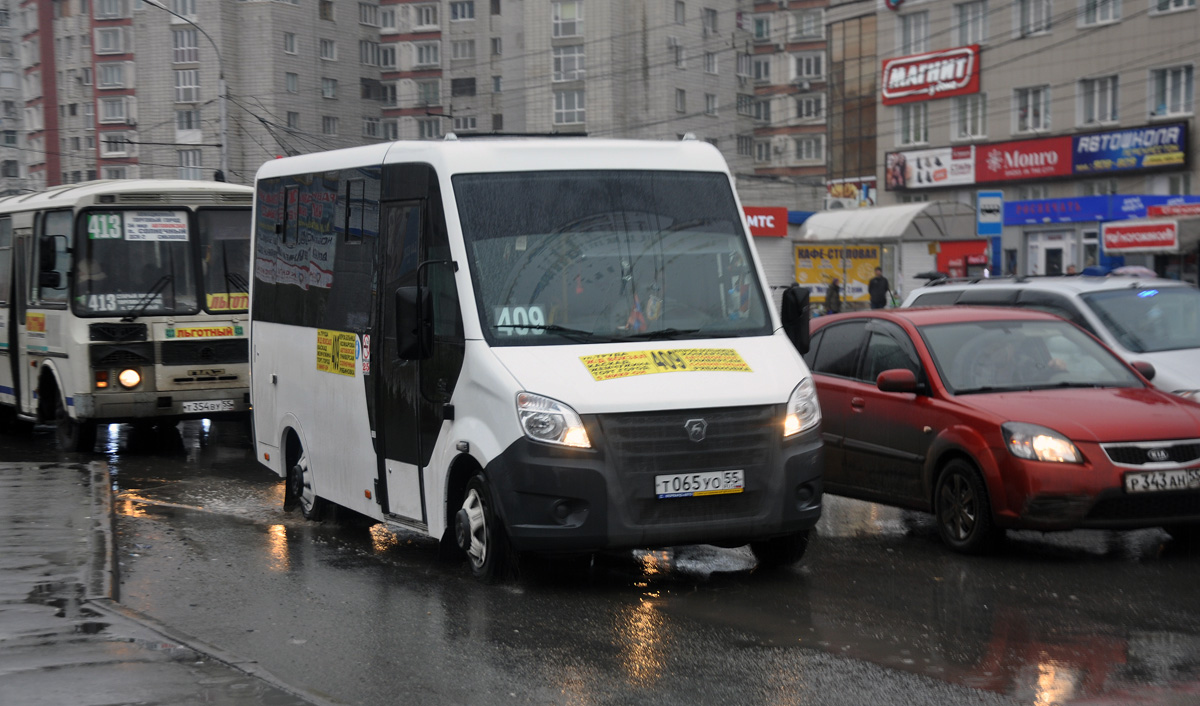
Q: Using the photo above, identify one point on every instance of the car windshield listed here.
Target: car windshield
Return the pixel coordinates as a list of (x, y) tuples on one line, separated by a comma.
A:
[(568, 257), (1147, 319), (225, 258), (130, 263), (997, 356)]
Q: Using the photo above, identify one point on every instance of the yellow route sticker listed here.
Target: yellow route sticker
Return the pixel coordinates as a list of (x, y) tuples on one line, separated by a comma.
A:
[(336, 352), (610, 366)]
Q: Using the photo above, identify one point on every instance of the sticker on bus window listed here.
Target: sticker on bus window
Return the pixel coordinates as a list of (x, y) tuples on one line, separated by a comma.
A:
[(226, 301), (336, 352), (204, 331), (156, 226), (104, 226), (611, 366)]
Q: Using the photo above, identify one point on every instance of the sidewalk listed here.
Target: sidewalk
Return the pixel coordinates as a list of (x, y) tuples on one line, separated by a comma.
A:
[(63, 639)]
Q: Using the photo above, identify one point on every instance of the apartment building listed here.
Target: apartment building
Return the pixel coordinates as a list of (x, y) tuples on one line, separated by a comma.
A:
[(11, 134)]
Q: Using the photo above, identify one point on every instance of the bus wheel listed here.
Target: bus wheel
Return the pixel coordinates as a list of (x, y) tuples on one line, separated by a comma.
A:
[(478, 532), (71, 434), (780, 551), (300, 479)]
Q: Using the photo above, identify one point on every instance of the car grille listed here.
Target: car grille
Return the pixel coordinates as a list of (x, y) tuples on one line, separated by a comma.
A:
[(232, 350), (644, 445), (1146, 506), (1171, 453)]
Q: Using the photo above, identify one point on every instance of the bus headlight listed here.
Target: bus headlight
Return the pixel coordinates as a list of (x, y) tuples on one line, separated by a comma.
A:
[(129, 378), (551, 421), (803, 410)]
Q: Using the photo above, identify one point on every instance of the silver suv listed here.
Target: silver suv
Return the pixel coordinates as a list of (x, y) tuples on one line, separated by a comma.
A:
[(1147, 319)]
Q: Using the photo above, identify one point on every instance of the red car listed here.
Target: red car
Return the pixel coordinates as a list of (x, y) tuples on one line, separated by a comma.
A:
[(994, 418)]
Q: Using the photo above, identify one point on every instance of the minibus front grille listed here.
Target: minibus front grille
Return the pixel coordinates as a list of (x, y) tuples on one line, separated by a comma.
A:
[(107, 355), (117, 332), (644, 445), (205, 352)]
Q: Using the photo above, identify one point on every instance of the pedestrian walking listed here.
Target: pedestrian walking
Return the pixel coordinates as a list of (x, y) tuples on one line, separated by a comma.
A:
[(879, 289), (833, 297)]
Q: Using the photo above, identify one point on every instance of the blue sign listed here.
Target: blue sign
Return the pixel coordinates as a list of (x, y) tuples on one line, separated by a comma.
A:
[(989, 213), (1150, 147), (1086, 209)]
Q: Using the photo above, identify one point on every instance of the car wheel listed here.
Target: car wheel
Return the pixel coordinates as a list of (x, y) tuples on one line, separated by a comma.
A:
[(300, 478), (1185, 535), (964, 513), (780, 551), (71, 434), (479, 534)]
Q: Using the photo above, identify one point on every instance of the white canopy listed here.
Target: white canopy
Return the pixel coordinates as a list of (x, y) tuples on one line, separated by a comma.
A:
[(929, 220)]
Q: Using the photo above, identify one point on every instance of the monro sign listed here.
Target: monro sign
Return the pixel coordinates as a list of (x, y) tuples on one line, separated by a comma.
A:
[(938, 74)]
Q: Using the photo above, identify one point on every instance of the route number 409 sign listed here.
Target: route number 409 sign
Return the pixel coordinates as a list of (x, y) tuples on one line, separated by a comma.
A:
[(520, 320)]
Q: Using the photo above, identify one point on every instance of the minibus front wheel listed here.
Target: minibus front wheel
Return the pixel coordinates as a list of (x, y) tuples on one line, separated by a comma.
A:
[(479, 533), (780, 551)]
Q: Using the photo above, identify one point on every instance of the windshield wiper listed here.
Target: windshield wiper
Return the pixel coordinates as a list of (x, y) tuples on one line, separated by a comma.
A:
[(571, 333), (660, 334), (148, 298)]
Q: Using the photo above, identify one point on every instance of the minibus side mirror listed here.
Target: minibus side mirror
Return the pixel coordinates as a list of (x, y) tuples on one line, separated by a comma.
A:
[(796, 311), (414, 323)]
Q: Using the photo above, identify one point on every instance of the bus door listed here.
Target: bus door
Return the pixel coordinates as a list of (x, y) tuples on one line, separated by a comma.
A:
[(8, 316), (18, 341), (413, 396)]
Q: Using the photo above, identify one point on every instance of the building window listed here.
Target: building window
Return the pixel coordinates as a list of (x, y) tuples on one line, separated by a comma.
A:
[(762, 151), (85, 76), (425, 16), (497, 122), (810, 148), (710, 104), (680, 55), (427, 54), (1033, 108), (291, 82), (370, 127), (567, 16), (710, 63), (1098, 187), (368, 14), (189, 164), (466, 123), (187, 86), (293, 120), (114, 172), (495, 7), (1101, 11), (462, 87), (1172, 5), (745, 104), (462, 49), (111, 75), (325, 9), (708, 21), (109, 40), (368, 53), (387, 20), (429, 92), (810, 107), (110, 9), (429, 128), (113, 144), (1177, 184), (969, 116), (810, 66), (970, 22), (762, 28), (1032, 192), (462, 10), (1033, 16), (680, 100), (762, 110), (809, 24), (568, 107), (328, 50), (497, 86), (187, 47), (497, 46), (187, 119), (187, 8), (329, 87), (10, 138), (568, 63), (914, 33), (112, 110), (1098, 100), (329, 125), (391, 130), (680, 12), (761, 68), (745, 145), (10, 168), (913, 123), (1171, 91), (387, 56), (744, 66)]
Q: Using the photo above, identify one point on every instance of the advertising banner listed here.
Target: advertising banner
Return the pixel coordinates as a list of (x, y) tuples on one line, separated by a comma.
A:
[(771, 221), (1140, 236), (1178, 209), (1086, 209), (926, 169), (937, 74), (850, 193), (818, 263), (1141, 148), (1023, 159)]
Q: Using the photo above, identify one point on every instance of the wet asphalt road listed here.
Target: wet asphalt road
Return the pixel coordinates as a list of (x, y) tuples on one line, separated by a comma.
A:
[(878, 612)]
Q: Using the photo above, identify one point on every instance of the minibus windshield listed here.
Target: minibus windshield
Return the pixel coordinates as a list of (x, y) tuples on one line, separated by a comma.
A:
[(1150, 319), (579, 256), (133, 263)]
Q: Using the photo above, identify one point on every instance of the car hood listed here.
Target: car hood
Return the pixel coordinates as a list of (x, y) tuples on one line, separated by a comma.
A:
[(1173, 370), (1099, 415)]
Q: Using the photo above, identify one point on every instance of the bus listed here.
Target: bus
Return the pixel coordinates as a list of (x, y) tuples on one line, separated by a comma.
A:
[(124, 301), (550, 345)]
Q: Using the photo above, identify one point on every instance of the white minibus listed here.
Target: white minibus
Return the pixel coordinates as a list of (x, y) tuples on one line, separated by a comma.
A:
[(530, 345)]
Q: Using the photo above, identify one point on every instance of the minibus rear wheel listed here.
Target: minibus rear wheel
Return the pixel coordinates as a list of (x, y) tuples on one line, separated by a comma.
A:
[(479, 534), (780, 551), (300, 485)]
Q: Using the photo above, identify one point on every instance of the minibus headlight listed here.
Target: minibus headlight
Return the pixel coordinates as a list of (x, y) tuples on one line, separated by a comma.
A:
[(551, 421), (129, 378), (1037, 443), (803, 409)]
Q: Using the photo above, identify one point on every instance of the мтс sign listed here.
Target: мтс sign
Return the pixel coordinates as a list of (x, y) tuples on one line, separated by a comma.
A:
[(938, 74)]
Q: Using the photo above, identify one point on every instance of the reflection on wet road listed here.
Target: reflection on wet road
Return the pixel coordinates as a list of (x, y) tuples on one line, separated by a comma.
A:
[(356, 613)]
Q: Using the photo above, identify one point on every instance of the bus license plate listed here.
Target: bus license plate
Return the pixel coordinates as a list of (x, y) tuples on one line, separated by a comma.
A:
[(208, 406), (1153, 481), (687, 485)]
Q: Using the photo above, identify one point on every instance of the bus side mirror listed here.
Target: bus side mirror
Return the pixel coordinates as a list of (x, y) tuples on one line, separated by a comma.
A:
[(414, 323), (796, 312)]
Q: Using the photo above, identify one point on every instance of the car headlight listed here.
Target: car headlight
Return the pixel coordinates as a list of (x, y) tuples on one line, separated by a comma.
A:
[(803, 410), (551, 421), (1037, 443), (1193, 395)]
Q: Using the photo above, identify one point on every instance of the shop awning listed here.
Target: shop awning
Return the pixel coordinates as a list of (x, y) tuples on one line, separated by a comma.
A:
[(929, 220)]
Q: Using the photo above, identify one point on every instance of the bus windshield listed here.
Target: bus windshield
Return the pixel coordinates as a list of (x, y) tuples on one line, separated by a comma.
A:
[(131, 262), (579, 256), (225, 259)]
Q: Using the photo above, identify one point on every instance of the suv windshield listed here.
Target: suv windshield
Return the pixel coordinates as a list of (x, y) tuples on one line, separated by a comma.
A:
[(995, 356), (134, 262), (1149, 320), (565, 257), (225, 259)]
